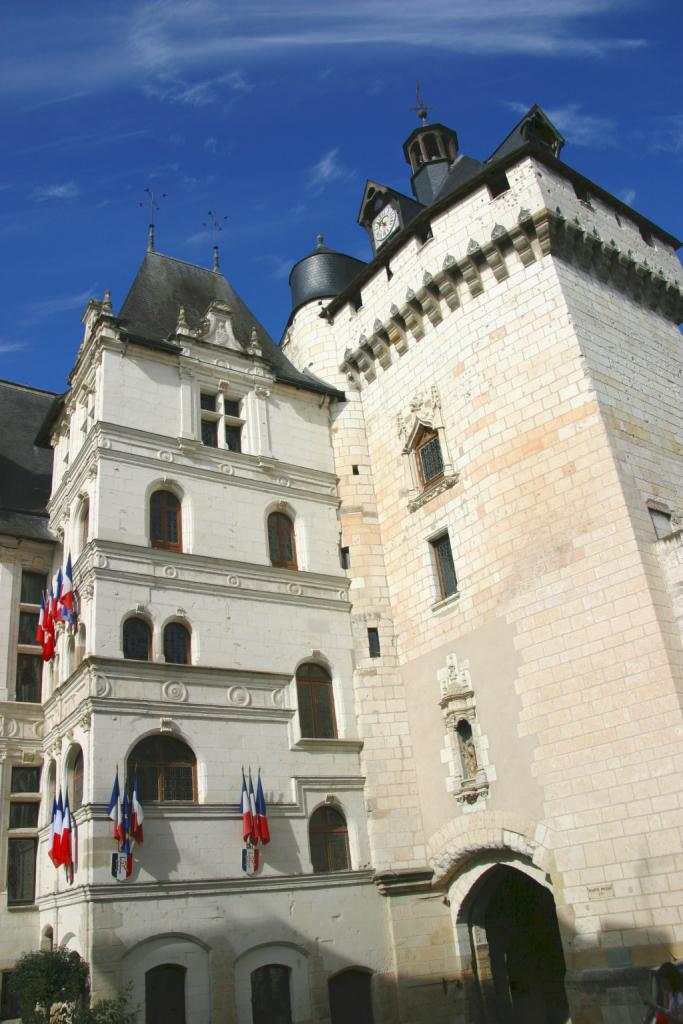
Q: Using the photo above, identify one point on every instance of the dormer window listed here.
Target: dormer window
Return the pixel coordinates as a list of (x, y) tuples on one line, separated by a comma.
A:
[(221, 422)]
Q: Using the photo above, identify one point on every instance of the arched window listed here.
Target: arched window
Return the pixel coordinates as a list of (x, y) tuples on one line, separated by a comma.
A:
[(84, 531), (51, 788), (76, 788), (429, 457), (432, 146), (281, 545), (79, 653), (137, 640), (270, 998), (166, 769), (316, 704), (165, 529), (165, 994), (177, 644), (351, 996), (329, 839)]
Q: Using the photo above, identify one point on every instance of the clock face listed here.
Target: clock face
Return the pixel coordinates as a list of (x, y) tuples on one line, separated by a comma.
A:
[(384, 223)]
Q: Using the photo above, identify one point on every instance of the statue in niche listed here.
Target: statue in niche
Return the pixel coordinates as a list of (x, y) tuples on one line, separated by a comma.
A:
[(468, 753)]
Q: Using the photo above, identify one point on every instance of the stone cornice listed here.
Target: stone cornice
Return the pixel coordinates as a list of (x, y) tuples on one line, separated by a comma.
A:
[(156, 890), (206, 574), (545, 233)]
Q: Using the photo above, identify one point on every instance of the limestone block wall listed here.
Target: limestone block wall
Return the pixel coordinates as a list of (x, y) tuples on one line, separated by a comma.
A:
[(552, 578), (388, 759), (220, 937)]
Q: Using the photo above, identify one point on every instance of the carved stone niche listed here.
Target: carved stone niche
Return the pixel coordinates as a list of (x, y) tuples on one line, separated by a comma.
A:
[(466, 748), (216, 327)]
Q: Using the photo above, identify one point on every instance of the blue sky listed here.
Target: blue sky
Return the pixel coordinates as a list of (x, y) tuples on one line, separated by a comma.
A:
[(275, 113)]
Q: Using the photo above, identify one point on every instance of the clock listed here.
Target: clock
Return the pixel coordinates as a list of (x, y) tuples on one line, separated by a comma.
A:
[(384, 223)]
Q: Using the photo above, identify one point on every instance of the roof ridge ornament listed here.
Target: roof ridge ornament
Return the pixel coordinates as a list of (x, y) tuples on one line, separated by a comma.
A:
[(422, 110), (216, 228), (153, 207)]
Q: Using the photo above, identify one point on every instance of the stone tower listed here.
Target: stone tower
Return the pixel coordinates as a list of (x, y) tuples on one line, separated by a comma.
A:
[(511, 484)]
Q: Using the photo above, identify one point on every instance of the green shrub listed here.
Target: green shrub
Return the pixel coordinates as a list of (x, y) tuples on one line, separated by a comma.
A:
[(41, 979)]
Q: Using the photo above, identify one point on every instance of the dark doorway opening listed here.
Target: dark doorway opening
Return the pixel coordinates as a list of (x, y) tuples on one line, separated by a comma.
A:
[(350, 997), (270, 998), (165, 994), (517, 953)]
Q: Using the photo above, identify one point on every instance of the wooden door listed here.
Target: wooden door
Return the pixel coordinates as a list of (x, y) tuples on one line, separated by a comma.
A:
[(165, 994)]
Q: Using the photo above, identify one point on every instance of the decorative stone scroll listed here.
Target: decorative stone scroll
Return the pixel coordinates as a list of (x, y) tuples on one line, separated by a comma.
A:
[(174, 691), (465, 751)]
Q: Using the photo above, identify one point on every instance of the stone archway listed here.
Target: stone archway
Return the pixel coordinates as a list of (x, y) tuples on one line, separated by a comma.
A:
[(517, 960)]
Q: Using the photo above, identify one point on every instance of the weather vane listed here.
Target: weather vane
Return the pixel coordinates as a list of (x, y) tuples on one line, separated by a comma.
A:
[(153, 207), (421, 109), (216, 227)]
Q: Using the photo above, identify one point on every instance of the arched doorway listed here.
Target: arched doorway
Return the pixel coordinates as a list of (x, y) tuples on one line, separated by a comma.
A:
[(165, 994), (350, 994), (517, 957)]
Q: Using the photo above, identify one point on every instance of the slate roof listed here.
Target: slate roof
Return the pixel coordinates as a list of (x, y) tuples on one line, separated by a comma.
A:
[(163, 284), (25, 469)]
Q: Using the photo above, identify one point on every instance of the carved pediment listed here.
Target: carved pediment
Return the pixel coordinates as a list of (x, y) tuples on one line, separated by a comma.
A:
[(216, 327)]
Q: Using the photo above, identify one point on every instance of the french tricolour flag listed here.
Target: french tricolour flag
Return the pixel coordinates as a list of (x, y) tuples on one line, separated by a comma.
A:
[(137, 814), (41, 622), (66, 598), (247, 820), (57, 825), (65, 845), (115, 809), (252, 808), (261, 819)]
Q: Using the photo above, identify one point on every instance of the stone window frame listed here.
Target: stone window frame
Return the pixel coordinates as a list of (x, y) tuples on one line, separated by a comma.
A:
[(424, 423), (32, 650), (434, 541), (162, 541), (326, 830), (310, 684), (19, 834), (458, 705), (223, 417)]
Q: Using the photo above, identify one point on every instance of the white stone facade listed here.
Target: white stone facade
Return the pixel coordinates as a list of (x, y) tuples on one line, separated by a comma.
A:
[(519, 726)]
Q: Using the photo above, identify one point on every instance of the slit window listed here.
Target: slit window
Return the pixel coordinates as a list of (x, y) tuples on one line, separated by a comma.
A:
[(373, 642), (445, 568)]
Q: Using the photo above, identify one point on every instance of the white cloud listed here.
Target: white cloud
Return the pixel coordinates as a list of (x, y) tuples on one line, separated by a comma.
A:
[(159, 38), (67, 190), (666, 133), (43, 310), (327, 169), (578, 128), (628, 196), (195, 94), (7, 347), (211, 144), (279, 267)]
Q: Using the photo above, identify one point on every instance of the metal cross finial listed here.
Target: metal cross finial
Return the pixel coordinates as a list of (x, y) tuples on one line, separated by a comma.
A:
[(216, 227), (153, 207), (421, 109)]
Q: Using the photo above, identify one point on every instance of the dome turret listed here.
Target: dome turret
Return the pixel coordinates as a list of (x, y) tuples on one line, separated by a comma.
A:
[(321, 274)]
